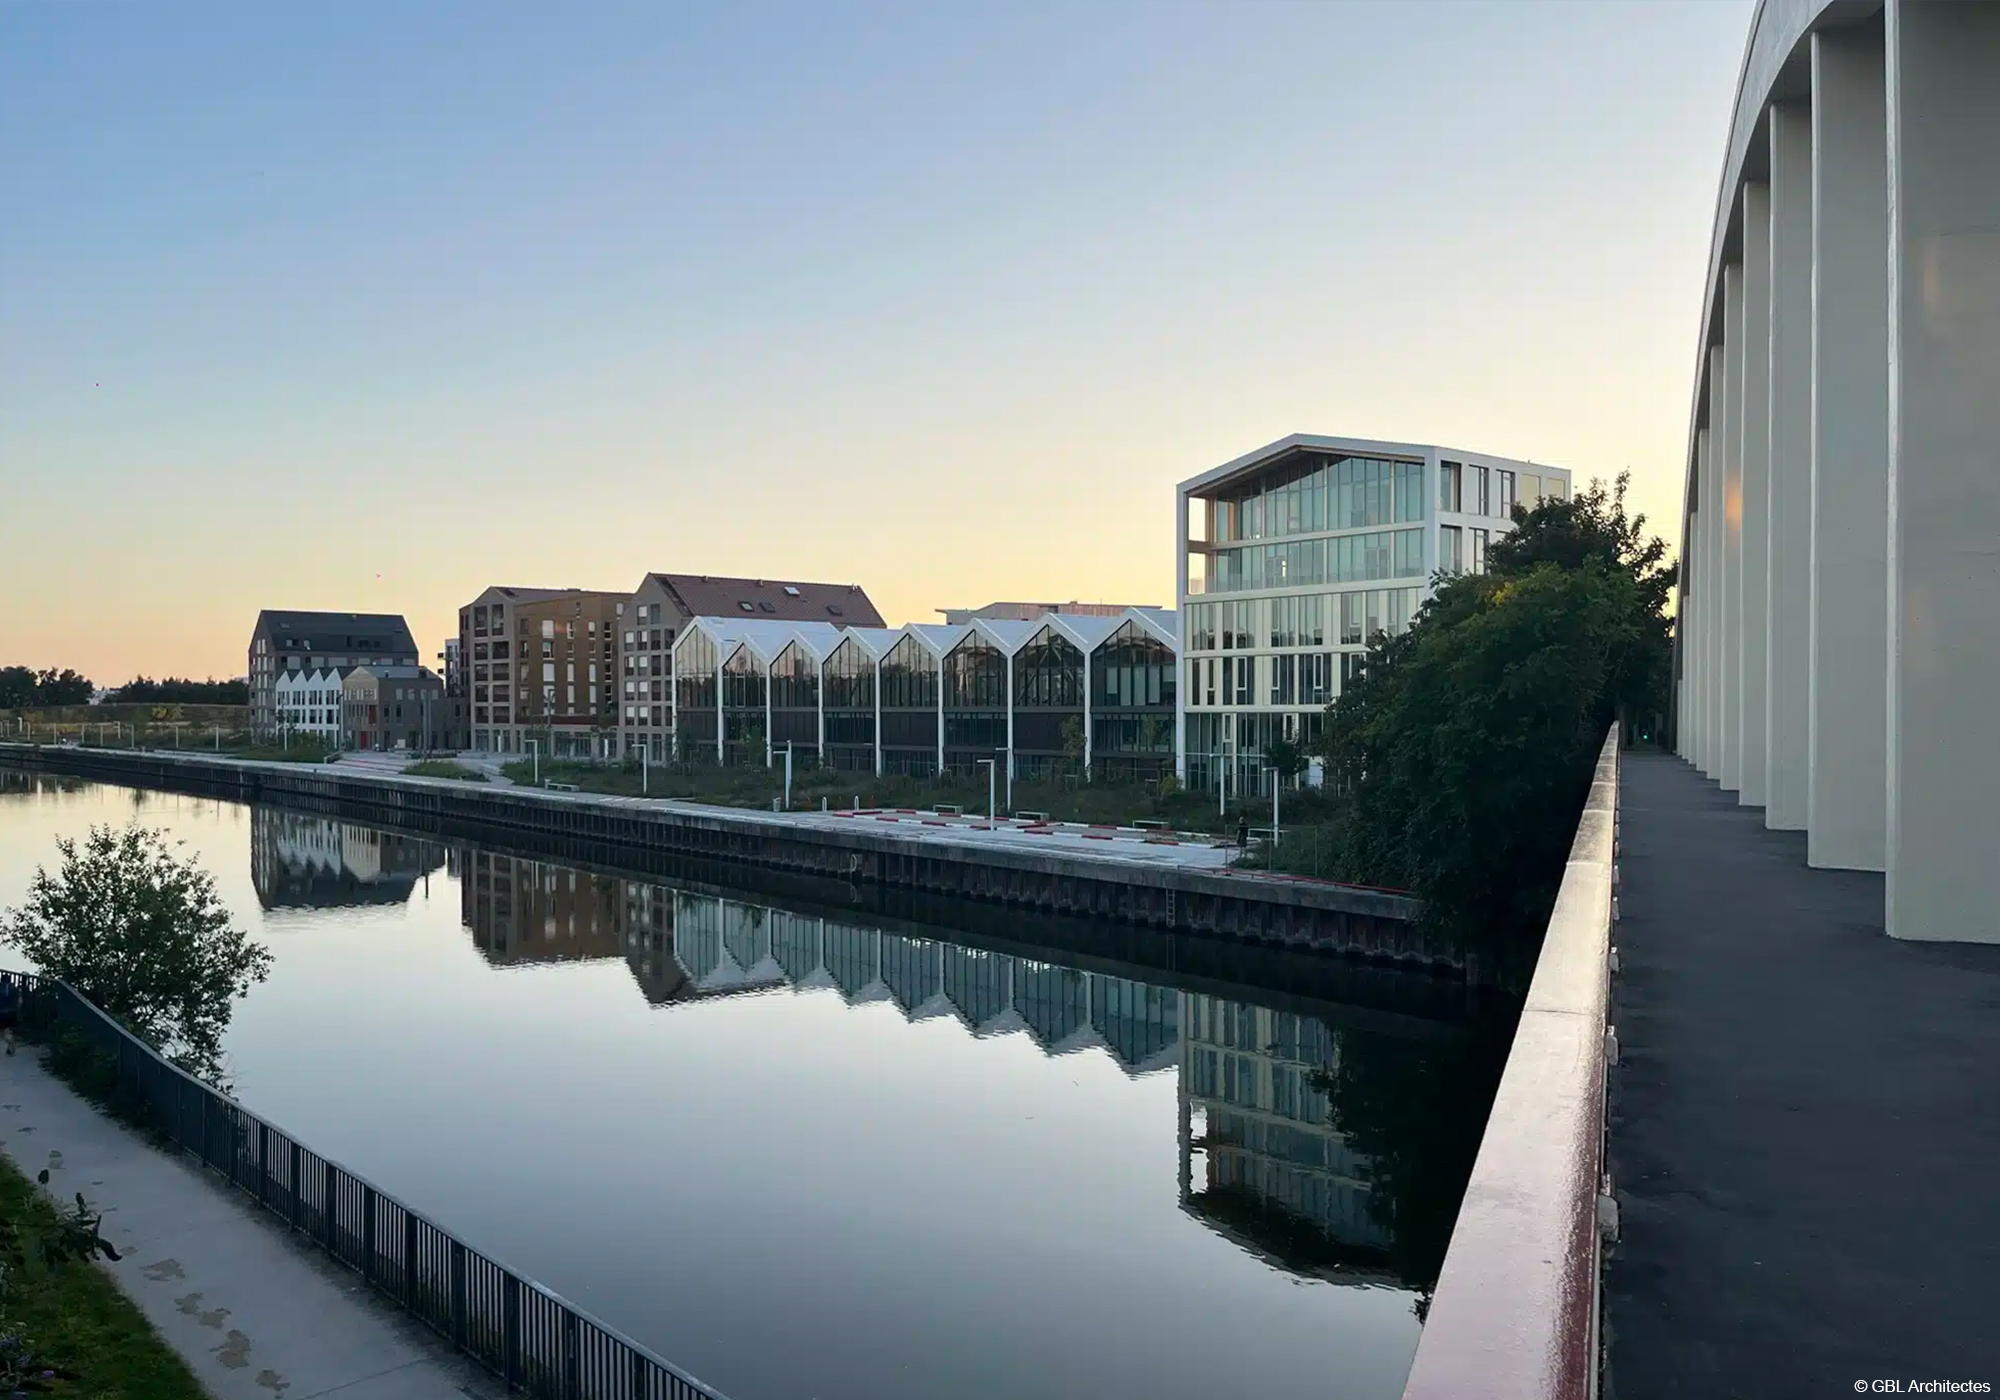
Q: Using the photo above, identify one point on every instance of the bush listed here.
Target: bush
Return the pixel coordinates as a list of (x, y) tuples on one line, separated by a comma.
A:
[(142, 935), (444, 768)]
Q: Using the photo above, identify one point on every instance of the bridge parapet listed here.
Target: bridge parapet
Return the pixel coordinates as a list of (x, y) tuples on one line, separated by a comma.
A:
[(1516, 1308)]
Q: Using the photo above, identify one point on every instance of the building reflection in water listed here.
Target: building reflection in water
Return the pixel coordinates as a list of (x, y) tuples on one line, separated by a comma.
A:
[(1262, 1161), (299, 861)]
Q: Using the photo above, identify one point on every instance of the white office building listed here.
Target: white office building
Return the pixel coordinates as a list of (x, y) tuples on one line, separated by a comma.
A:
[(1291, 557)]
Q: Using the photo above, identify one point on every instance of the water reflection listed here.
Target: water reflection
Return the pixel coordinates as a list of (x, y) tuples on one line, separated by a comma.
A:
[(1263, 1158), (306, 862), (955, 1150)]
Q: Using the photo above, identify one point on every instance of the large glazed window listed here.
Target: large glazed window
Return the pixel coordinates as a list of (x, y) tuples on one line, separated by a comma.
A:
[(850, 678), (909, 677), (1315, 493), (1049, 672), (695, 661)]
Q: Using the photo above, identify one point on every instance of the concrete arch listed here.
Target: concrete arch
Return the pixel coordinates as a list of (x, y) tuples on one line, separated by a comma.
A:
[(1839, 638)]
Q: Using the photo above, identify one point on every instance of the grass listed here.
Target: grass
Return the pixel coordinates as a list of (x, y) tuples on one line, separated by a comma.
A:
[(1062, 798), (74, 1318), (444, 768)]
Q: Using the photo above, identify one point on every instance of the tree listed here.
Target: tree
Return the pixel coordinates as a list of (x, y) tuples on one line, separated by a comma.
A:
[(22, 688), (1464, 748), (64, 687), (142, 934), (1072, 743), (1593, 526), (17, 688), (1285, 758), (177, 691)]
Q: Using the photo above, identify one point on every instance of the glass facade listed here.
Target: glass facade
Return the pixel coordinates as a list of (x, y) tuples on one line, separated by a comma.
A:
[(1133, 679), (743, 717), (849, 680), (795, 704), (1048, 705), (1380, 554), (695, 660), (1322, 493), (1341, 548), (909, 681), (975, 703)]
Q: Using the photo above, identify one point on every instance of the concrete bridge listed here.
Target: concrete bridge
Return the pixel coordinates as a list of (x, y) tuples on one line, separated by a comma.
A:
[(1839, 649)]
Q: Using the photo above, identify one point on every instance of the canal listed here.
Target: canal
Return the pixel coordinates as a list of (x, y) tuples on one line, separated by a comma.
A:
[(804, 1155)]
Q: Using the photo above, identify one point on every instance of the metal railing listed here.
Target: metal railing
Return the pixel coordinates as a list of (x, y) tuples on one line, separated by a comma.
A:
[(504, 1321), (1516, 1310)]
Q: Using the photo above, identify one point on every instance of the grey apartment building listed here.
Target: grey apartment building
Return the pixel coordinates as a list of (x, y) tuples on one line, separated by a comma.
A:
[(305, 641)]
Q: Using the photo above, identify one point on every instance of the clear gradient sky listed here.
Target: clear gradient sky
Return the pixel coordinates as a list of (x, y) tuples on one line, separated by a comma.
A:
[(369, 306)]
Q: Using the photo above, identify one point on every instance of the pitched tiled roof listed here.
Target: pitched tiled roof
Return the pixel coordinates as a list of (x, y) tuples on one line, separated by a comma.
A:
[(709, 595), (335, 631)]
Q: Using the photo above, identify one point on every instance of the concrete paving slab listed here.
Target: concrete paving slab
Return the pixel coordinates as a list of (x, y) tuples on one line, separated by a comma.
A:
[(256, 1313)]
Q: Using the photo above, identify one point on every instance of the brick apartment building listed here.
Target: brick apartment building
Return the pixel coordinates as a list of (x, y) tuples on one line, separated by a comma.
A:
[(590, 674), (542, 666)]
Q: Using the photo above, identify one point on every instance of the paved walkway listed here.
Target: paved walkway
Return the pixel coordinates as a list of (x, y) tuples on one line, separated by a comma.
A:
[(1805, 1131), (257, 1315)]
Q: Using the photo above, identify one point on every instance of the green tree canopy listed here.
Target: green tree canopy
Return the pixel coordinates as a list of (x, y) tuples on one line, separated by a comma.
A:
[(25, 689), (176, 691), (1464, 749), (142, 934)]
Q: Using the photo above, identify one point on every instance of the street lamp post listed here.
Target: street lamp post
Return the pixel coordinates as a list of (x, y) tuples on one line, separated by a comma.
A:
[(992, 768), (535, 752)]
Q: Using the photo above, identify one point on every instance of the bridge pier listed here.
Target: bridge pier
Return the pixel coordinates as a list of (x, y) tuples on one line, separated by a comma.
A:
[(1847, 728), (1788, 660), (1944, 469)]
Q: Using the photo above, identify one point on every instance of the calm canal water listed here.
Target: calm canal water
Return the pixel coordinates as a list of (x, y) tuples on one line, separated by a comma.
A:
[(804, 1157)]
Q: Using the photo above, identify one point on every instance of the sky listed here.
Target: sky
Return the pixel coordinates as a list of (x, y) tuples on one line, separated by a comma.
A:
[(367, 307)]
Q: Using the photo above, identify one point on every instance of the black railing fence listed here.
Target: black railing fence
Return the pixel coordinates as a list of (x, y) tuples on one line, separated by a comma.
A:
[(502, 1320)]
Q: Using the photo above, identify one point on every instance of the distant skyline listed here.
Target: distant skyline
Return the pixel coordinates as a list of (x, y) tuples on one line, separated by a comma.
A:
[(366, 308)]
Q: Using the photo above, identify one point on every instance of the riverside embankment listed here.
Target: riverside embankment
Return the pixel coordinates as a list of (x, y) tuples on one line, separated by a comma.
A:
[(1139, 889)]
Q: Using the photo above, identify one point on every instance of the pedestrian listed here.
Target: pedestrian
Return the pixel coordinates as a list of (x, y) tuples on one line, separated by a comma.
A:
[(1243, 832), (10, 1009)]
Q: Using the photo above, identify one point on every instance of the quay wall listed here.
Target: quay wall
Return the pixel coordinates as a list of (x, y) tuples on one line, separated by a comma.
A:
[(1235, 906)]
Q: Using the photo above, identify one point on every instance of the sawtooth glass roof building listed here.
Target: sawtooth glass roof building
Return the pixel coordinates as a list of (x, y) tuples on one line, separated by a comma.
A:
[(1087, 694)]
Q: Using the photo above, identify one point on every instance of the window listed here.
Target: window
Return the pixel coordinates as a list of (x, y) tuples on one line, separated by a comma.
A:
[(1316, 679), (791, 592), (1342, 559), (1531, 489), (548, 626), (1284, 680), (1478, 501), (746, 605), (1478, 559), (1451, 549), (1450, 486), (1504, 507)]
